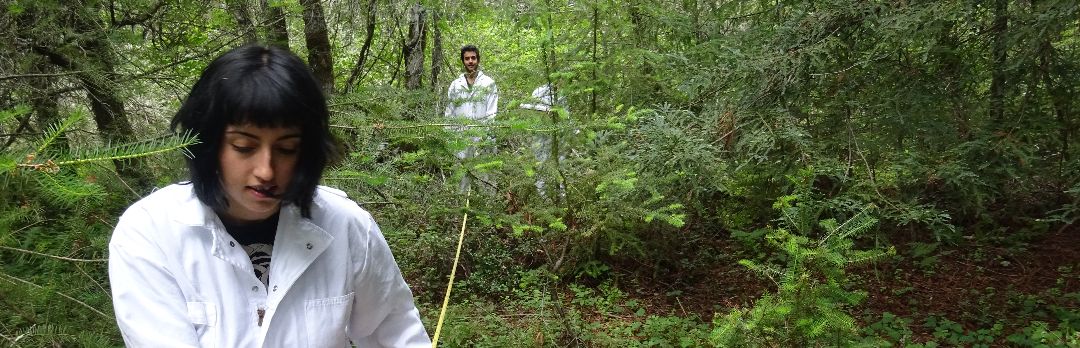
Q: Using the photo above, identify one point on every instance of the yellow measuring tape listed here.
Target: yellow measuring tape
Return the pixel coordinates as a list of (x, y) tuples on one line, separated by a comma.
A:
[(453, 271)]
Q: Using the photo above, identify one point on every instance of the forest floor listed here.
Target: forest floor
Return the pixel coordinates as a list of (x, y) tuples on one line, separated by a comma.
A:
[(973, 284)]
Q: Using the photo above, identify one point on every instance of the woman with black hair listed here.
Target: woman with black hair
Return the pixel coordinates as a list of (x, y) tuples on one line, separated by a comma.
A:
[(252, 252)]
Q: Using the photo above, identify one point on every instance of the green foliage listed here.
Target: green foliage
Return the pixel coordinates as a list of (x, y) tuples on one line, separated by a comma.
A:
[(811, 303), (684, 123), (950, 333), (894, 330), (1039, 334), (54, 228)]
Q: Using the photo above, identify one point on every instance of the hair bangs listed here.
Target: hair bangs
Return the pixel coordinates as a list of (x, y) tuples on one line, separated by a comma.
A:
[(264, 87), (261, 100)]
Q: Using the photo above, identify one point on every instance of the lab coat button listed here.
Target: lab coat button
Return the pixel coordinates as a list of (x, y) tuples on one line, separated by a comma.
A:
[(309, 246), (275, 288), (232, 243), (254, 288)]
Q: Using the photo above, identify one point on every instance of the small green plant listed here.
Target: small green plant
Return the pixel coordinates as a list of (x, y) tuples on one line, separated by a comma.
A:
[(952, 334), (892, 328), (1039, 334), (811, 303)]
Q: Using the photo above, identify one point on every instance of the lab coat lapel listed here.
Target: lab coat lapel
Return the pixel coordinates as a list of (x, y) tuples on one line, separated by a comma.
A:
[(298, 243), (203, 219)]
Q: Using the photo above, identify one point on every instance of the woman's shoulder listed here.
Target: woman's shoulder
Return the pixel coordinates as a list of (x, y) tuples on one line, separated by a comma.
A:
[(163, 213), (172, 198), (336, 203)]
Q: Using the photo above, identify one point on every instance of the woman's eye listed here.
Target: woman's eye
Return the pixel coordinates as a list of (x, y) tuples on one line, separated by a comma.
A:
[(243, 149), (288, 151)]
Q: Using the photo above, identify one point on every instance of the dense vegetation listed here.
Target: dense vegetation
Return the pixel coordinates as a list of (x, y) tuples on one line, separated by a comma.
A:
[(745, 173)]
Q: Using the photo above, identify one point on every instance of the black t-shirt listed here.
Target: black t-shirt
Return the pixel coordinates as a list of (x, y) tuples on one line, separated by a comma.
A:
[(258, 241)]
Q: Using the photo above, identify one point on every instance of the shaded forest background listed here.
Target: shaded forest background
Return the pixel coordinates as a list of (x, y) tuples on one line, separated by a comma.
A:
[(728, 173)]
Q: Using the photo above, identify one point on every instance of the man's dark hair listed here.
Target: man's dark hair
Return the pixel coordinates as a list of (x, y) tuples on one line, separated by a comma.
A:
[(260, 86), (470, 48)]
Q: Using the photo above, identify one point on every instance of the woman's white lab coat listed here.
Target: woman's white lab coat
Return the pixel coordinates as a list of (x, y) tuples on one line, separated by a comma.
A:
[(180, 280)]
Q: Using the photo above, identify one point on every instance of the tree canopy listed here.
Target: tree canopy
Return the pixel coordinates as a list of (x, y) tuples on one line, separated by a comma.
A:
[(690, 136)]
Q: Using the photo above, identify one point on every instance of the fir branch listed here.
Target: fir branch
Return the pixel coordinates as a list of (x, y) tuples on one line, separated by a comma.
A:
[(132, 150), (52, 256), (853, 226), (56, 130), (21, 76), (12, 279), (432, 128), (69, 190), (112, 153)]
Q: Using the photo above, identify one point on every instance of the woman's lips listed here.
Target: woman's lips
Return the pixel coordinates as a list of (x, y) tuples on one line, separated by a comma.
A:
[(264, 192)]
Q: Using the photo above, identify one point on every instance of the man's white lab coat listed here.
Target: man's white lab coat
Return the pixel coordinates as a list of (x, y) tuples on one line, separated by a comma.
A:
[(479, 102)]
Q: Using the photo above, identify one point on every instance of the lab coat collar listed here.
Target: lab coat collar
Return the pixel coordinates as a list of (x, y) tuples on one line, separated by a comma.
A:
[(297, 243)]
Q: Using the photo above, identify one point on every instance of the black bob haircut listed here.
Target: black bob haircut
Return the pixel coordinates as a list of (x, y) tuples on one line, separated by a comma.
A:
[(470, 48), (260, 86)]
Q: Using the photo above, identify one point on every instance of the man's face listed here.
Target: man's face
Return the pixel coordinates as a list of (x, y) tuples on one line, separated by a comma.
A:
[(471, 61)]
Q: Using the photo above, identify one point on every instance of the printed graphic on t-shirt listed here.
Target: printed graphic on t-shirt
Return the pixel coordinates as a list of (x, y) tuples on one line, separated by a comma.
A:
[(260, 259)]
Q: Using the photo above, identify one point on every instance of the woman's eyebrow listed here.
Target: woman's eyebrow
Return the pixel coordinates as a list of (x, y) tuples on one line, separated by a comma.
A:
[(253, 136), (246, 134)]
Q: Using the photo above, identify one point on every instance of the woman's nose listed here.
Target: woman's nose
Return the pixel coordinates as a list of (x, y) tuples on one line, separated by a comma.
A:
[(264, 165)]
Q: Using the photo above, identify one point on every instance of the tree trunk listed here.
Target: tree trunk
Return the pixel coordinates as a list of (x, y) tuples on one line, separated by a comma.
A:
[(105, 104), (413, 49), (365, 50), (111, 116), (46, 106), (999, 57), (951, 67), (318, 44), (436, 50), (595, 37), (277, 33), (239, 10), (95, 71), (1060, 97)]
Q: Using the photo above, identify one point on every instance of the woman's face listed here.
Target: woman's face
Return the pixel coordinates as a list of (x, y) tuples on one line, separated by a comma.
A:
[(257, 165)]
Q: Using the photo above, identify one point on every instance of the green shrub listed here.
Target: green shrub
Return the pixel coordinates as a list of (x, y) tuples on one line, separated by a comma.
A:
[(810, 306)]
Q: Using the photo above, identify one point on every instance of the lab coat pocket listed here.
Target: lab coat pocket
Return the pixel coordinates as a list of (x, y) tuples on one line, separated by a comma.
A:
[(203, 316), (326, 319)]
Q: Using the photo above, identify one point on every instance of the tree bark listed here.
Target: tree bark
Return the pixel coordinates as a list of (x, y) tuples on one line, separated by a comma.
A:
[(436, 50), (413, 49), (46, 106), (105, 104), (277, 31), (595, 63), (318, 44), (999, 56), (365, 50), (1060, 98), (239, 10)]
